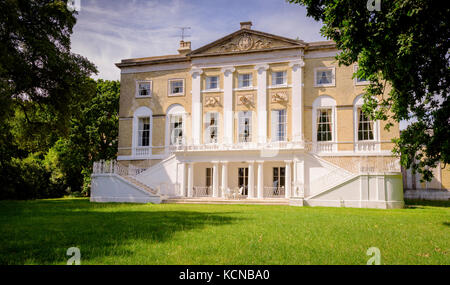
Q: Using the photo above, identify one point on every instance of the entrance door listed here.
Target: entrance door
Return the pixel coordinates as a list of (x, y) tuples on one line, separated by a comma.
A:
[(243, 179)]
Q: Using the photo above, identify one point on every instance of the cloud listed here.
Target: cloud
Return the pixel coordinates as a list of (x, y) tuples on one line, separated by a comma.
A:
[(109, 31)]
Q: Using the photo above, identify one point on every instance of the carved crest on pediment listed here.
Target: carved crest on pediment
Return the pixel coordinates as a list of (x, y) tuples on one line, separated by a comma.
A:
[(246, 42)]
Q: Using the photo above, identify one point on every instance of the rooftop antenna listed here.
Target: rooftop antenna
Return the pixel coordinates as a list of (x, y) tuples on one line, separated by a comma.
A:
[(183, 30)]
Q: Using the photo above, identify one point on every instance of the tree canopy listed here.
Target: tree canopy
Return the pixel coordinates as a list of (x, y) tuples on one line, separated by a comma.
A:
[(403, 46)]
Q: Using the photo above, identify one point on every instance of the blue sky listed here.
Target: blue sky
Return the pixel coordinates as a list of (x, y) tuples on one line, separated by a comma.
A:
[(110, 30)]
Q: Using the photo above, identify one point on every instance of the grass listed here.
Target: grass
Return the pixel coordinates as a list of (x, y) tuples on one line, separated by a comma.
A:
[(41, 231)]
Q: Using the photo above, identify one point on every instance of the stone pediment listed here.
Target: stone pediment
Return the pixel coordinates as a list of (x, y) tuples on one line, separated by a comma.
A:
[(246, 40)]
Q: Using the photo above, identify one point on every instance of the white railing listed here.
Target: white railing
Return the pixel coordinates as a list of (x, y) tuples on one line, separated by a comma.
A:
[(114, 167), (274, 192), (366, 146), (238, 146), (331, 178), (324, 147), (202, 191)]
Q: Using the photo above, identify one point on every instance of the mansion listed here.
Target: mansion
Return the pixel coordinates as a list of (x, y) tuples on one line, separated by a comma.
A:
[(249, 118)]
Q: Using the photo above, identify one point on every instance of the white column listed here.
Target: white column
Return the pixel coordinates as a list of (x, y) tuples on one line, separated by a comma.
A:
[(190, 190), (183, 189), (224, 177), (251, 180), (196, 105), (288, 181), (228, 104), (262, 102), (300, 173), (215, 179), (297, 99), (260, 186)]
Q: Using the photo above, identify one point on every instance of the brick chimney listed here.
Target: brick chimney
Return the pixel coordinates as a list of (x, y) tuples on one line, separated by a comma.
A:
[(246, 25), (185, 47)]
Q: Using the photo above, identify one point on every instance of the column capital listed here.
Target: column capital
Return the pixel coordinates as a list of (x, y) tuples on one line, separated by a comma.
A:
[(224, 161), (263, 66), (195, 70), (260, 161), (228, 69), (250, 161), (288, 161), (215, 162), (299, 63)]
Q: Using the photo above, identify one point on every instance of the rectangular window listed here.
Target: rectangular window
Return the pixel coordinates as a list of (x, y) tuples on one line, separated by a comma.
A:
[(365, 127), (144, 89), (324, 126), (176, 87), (212, 82), (279, 174), (279, 125), (245, 126), (176, 129), (243, 179), (144, 132), (209, 175), (324, 77), (212, 127), (279, 78), (245, 80)]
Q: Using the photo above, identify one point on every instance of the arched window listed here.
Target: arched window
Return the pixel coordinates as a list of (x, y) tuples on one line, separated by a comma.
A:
[(142, 131), (176, 125), (365, 130), (324, 123)]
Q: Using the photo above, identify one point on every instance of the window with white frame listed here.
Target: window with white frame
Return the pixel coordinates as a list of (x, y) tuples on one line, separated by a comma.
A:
[(245, 126), (144, 89), (324, 125), (211, 127), (243, 179), (209, 176), (176, 87), (324, 77), (245, 80), (279, 129), (144, 131), (212, 82), (176, 129), (365, 127), (278, 78)]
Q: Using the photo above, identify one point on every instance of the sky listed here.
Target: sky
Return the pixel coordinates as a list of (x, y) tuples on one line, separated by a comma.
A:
[(108, 31)]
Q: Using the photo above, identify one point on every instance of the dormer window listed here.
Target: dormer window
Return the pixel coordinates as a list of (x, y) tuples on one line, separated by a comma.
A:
[(212, 82)]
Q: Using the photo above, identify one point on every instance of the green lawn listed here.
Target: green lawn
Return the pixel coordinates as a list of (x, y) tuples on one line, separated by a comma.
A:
[(39, 232)]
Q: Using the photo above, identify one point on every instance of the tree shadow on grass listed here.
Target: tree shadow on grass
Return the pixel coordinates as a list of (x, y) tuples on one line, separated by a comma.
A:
[(412, 204), (42, 233)]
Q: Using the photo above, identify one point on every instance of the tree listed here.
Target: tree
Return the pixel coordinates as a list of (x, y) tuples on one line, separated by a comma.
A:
[(93, 136), (404, 46), (41, 86)]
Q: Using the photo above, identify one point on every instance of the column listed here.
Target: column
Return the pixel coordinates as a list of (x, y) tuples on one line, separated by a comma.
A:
[(215, 179), (190, 184), (260, 185), (224, 178), (251, 180), (261, 107), (297, 99), (288, 181), (228, 104), (300, 173), (183, 189), (196, 113)]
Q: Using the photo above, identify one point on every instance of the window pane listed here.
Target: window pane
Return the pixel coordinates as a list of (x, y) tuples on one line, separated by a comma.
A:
[(176, 86), (144, 132), (244, 126), (324, 121), (324, 76), (144, 89), (365, 127)]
